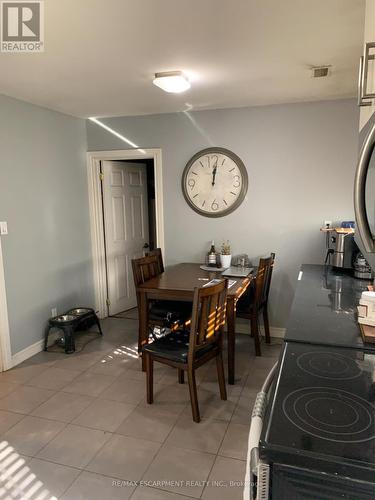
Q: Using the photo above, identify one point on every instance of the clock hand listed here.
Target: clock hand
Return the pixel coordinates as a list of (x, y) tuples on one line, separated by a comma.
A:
[(214, 175)]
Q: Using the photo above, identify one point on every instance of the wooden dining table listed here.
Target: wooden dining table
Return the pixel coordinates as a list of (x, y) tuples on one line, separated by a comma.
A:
[(177, 283)]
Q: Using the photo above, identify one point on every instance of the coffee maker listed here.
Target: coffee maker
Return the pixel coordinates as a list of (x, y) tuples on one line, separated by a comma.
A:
[(343, 252), (341, 247), (344, 249)]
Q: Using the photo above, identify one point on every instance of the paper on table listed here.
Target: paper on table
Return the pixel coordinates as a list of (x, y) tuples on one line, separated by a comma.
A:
[(216, 281)]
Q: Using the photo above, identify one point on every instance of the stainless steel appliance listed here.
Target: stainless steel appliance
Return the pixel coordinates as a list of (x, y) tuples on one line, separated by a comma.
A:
[(364, 194), (344, 249), (362, 269), (254, 467), (312, 433), (316, 436)]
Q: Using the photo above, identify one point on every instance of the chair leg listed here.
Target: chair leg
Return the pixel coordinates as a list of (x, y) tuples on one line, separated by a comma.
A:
[(266, 325), (221, 376), (149, 377), (143, 362), (255, 332), (193, 395), (181, 378)]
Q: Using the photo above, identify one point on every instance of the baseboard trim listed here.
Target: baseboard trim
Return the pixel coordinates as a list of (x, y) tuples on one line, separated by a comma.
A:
[(27, 352), (275, 331)]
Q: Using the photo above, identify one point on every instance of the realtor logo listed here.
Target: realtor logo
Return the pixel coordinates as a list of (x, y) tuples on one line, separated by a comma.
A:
[(22, 26)]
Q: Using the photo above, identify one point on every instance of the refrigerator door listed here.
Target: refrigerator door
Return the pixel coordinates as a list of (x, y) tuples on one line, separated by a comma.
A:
[(364, 196)]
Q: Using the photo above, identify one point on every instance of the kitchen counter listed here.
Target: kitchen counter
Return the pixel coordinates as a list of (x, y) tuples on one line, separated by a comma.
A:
[(324, 308)]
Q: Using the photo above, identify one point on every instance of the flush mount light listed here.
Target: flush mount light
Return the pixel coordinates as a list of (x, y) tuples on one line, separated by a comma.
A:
[(172, 81)]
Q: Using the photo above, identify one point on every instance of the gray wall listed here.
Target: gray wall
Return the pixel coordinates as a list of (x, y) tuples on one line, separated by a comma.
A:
[(43, 196), (300, 160)]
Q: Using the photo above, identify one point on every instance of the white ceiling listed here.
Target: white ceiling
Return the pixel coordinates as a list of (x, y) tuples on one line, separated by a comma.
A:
[(100, 55)]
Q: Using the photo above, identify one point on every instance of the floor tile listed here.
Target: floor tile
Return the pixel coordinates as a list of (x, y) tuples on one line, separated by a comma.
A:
[(169, 399), (205, 436), (147, 423), (125, 391), (63, 406), (25, 399), (56, 478), (53, 378), (262, 363), (124, 457), (145, 436), (89, 384), (244, 408), (168, 376), (233, 391), (78, 361), (104, 415), (235, 441), (135, 373), (23, 373), (211, 406), (89, 486), (8, 419), (254, 382), (6, 387), (109, 366), (75, 446), (145, 493), (226, 480), (100, 345), (44, 358), (180, 471), (31, 434), (16, 477)]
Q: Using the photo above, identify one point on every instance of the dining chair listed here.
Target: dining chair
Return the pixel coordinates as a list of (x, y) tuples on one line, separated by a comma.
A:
[(188, 350), (158, 253), (161, 313), (255, 301)]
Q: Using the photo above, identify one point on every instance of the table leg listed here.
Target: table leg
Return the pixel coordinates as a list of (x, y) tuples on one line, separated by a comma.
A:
[(231, 323), (143, 320)]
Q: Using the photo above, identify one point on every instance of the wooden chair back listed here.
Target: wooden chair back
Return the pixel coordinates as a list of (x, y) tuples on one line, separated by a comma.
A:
[(208, 317), (157, 252), (269, 276), (145, 268), (263, 281)]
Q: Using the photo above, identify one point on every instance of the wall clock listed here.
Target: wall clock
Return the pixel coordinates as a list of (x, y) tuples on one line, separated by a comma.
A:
[(214, 182)]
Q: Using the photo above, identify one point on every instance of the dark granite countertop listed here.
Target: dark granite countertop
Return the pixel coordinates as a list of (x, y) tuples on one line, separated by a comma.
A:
[(324, 308)]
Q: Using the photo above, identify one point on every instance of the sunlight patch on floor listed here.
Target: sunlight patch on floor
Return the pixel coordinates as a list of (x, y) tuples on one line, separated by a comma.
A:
[(17, 480)]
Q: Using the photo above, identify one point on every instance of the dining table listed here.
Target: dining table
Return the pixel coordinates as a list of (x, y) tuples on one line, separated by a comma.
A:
[(178, 282)]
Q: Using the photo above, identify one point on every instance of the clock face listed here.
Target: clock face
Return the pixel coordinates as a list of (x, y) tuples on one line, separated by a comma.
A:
[(214, 182)]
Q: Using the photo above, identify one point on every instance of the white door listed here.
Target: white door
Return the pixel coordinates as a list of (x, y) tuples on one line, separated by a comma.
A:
[(126, 228)]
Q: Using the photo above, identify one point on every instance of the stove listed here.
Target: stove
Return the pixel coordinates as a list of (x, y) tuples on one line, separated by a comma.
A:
[(321, 414)]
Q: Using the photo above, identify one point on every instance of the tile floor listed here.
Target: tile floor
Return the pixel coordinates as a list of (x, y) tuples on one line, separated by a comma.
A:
[(78, 427)]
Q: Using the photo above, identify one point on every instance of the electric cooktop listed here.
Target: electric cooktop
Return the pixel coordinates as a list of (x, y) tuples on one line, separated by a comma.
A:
[(322, 411)]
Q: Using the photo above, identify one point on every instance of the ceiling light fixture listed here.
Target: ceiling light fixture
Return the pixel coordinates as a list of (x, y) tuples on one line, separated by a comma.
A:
[(174, 82)]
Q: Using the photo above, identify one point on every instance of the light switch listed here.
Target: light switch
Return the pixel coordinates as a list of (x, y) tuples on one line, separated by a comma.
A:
[(3, 228)]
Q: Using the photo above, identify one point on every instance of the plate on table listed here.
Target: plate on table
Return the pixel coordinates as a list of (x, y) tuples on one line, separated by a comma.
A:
[(212, 269)]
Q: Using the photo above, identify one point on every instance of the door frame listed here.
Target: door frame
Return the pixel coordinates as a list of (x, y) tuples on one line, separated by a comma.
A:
[(96, 212), (5, 350)]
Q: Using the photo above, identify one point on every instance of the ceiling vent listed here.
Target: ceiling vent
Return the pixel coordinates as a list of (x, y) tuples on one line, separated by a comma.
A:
[(321, 71)]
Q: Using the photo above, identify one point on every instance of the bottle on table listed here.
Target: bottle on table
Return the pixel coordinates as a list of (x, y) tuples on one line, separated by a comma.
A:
[(211, 256)]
